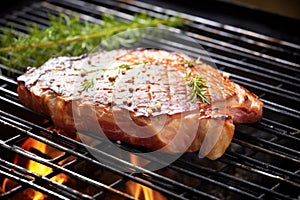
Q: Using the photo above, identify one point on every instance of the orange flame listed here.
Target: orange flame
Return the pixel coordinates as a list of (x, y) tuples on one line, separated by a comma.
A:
[(140, 191), (4, 183), (37, 167)]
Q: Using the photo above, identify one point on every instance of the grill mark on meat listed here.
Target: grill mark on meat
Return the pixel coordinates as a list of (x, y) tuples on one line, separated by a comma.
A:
[(169, 96)]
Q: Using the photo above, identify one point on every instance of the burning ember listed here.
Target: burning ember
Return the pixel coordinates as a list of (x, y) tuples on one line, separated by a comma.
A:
[(42, 150), (142, 192), (139, 191)]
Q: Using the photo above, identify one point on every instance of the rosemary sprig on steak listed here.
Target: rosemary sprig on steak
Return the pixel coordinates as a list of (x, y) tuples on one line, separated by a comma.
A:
[(198, 88), (87, 84)]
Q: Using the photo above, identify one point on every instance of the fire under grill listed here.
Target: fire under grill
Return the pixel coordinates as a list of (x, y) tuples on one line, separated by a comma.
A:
[(262, 162)]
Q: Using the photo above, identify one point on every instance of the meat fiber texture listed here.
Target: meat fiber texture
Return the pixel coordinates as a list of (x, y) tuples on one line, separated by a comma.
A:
[(140, 97)]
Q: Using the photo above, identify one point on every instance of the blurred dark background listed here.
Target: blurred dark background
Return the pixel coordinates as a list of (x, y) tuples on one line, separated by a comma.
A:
[(290, 8), (10, 5), (276, 18)]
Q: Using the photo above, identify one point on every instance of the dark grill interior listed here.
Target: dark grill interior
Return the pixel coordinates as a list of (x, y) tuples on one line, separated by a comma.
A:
[(263, 161)]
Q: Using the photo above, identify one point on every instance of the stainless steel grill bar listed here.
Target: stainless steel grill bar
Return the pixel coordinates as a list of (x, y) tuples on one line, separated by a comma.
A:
[(271, 169), (63, 192), (239, 183), (32, 185), (278, 128)]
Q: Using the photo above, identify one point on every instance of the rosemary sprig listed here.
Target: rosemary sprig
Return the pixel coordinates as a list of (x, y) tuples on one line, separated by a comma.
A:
[(68, 36), (87, 84), (198, 88)]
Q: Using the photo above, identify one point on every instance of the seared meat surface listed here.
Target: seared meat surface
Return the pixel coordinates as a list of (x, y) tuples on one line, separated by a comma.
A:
[(140, 97)]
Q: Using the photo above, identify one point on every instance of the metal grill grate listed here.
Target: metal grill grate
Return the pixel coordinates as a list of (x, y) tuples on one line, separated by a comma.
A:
[(263, 161)]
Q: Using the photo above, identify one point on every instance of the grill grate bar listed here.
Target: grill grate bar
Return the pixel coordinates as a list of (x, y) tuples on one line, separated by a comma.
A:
[(251, 73), (42, 22), (18, 28), (270, 144), (281, 109), (101, 195), (271, 192), (62, 189), (20, 106), (53, 9), (245, 185), (277, 128), (9, 72), (12, 192), (9, 92), (267, 167), (257, 148), (23, 180), (234, 188), (280, 92), (8, 80)]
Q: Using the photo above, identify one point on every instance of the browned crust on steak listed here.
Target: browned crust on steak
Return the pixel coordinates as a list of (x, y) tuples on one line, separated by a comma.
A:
[(186, 125)]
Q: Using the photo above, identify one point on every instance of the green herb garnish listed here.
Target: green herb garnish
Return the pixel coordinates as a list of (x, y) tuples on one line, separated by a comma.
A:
[(68, 36), (87, 84), (190, 63), (125, 66), (198, 88), (295, 132)]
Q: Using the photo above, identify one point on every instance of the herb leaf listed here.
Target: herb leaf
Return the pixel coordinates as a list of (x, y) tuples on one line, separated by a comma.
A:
[(87, 84), (295, 132), (190, 63), (125, 66), (198, 88)]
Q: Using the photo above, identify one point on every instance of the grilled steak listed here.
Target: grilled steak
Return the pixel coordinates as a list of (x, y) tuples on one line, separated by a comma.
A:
[(141, 97)]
